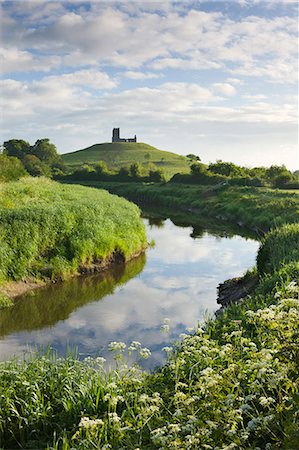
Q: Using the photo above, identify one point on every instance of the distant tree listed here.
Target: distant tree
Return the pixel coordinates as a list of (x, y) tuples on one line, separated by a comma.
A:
[(136, 171), (35, 166), (157, 176), (16, 147), (124, 173), (198, 168), (101, 168), (275, 171), (147, 156), (193, 157), (45, 151), (282, 179), (226, 168)]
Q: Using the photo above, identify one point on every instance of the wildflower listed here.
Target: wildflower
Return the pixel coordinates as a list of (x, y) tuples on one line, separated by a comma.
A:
[(86, 422), (114, 418), (145, 353), (117, 346), (100, 360), (167, 349), (135, 345), (292, 287), (264, 401), (165, 326)]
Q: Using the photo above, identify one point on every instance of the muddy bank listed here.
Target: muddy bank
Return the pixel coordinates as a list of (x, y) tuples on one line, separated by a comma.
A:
[(15, 289), (234, 289)]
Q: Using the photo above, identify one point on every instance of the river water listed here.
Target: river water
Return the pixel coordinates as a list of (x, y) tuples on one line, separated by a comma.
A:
[(176, 279)]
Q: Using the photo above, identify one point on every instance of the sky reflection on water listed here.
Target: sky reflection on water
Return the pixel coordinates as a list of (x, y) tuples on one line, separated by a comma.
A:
[(177, 279)]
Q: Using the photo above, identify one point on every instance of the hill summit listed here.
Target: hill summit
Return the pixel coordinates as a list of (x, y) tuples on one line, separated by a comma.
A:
[(123, 154)]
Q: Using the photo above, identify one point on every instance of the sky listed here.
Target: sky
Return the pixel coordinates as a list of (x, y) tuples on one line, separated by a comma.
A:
[(215, 78)]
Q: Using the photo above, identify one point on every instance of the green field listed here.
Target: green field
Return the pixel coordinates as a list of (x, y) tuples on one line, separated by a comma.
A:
[(123, 154)]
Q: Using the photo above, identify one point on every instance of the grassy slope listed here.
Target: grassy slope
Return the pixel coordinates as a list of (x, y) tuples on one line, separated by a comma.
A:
[(117, 155), (47, 229)]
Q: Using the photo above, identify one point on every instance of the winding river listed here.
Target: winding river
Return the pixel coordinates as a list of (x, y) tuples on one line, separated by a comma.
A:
[(176, 279)]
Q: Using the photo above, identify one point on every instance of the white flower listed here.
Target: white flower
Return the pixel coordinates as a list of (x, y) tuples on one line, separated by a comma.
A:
[(266, 401), (167, 349), (86, 422), (145, 353), (117, 346), (135, 345), (113, 417)]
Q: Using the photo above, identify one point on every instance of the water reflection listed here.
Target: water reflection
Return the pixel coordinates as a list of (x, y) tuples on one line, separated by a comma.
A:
[(178, 281)]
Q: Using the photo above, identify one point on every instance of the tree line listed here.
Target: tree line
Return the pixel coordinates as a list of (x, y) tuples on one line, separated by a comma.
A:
[(42, 159)]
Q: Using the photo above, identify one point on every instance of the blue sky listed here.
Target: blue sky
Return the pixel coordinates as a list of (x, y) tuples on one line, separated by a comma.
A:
[(214, 78)]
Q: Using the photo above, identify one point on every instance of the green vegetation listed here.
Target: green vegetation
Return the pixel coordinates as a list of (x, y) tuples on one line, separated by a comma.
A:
[(232, 385), (124, 154), (256, 208), (38, 159), (11, 168), (53, 231)]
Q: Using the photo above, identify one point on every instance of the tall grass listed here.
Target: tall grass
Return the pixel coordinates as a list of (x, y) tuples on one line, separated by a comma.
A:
[(50, 230)]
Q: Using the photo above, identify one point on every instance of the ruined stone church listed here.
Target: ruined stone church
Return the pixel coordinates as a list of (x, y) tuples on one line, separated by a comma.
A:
[(117, 138)]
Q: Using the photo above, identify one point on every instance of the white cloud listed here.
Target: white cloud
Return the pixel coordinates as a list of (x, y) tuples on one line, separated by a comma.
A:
[(188, 40), (224, 88), (135, 75)]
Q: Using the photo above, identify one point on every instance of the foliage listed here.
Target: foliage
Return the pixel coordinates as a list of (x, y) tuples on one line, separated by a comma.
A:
[(45, 151), (5, 301), (38, 159), (280, 247), (49, 230), (17, 147), (11, 168), (226, 168), (35, 166), (193, 157)]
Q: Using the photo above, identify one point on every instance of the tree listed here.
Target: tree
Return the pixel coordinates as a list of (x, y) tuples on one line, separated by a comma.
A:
[(157, 176), (17, 147), (198, 168), (101, 168), (282, 179), (35, 166), (45, 151), (136, 171), (193, 157), (226, 168)]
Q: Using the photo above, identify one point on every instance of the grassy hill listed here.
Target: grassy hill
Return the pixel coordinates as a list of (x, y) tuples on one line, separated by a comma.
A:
[(121, 154)]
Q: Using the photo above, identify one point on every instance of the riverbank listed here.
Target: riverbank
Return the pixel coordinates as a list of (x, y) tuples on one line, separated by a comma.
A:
[(255, 209), (51, 231)]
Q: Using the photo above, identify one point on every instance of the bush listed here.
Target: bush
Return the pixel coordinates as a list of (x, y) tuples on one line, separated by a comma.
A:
[(11, 168)]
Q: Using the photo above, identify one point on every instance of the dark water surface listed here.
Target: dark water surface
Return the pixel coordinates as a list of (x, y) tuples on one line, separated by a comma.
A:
[(177, 279)]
